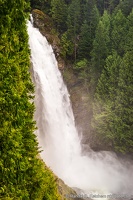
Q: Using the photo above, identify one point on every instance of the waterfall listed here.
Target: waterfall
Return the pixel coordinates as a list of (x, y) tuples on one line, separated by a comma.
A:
[(57, 135)]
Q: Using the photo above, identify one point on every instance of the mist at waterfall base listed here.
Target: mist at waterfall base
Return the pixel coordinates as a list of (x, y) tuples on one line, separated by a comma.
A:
[(99, 172)]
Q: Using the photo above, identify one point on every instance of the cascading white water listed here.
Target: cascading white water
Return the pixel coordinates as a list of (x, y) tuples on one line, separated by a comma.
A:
[(57, 134)]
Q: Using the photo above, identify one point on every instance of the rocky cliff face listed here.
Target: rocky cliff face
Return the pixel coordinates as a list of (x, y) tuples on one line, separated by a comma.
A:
[(45, 24), (81, 105)]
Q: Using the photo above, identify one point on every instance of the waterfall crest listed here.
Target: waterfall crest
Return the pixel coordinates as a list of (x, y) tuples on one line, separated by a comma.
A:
[(58, 136)]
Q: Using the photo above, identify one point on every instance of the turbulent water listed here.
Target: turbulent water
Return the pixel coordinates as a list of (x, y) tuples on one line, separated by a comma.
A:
[(101, 172)]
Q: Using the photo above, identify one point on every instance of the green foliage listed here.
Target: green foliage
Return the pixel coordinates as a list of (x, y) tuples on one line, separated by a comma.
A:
[(129, 36), (124, 106), (84, 41), (119, 32), (87, 32), (73, 21), (73, 24), (59, 14), (101, 47), (81, 65), (24, 176), (113, 106), (82, 68), (109, 5), (66, 46), (43, 5), (125, 6)]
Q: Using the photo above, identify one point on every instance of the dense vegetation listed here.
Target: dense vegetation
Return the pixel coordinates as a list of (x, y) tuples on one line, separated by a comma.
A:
[(23, 174), (97, 36)]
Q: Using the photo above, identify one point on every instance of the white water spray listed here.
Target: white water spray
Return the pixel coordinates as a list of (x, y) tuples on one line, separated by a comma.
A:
[(57, 134)]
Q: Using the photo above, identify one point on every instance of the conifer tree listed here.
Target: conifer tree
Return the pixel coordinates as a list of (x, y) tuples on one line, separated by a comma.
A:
[(129, 36), (59, 14), (23, 175), (109, 5), (105, 97), (123, 121), (113, 106), (43, 5), (74, 22), (101, 44), (84, 42), (119, 32), (125, 6), (87, 33)]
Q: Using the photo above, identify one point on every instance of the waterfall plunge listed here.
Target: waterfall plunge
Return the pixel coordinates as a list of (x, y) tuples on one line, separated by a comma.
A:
[(57, 134)]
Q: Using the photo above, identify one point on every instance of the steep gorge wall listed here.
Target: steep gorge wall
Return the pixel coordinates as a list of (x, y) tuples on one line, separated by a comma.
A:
[(81, 105)]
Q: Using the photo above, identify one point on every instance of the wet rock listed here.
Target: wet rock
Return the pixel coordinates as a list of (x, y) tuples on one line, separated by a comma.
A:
[(45, 25), (82, 106), (67, 192)]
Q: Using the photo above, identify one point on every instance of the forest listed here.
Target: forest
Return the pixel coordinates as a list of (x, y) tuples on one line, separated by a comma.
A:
[(96, 35), (23, 175)]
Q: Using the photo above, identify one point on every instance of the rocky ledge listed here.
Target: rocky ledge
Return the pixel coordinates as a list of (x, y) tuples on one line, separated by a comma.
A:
[(45, 25)]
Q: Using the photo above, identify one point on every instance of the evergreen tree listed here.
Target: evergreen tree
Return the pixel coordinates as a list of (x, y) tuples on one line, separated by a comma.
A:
[(87, 34), (101, 44), (74, 23), (66, 46), (112, 5), (123, 120), (84, 42), (125, 6), (43, 5), (129, 36), (104, 100), (23, 175), (100, 6), (109, 5), (88, 6), (59, 14), (113, 106), (119, 32)]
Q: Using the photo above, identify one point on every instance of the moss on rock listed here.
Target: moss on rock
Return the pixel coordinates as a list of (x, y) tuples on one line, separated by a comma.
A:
[(45, 25)]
